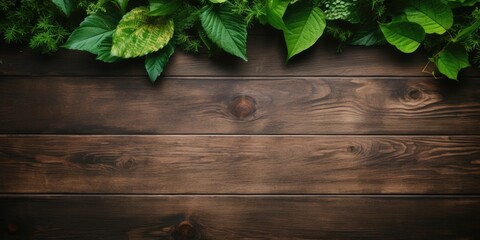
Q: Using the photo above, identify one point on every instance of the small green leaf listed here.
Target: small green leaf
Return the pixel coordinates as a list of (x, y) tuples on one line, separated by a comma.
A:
[(163, 7), (405, 36), (451, 60), (92, 31), (218, 1), (305, 24), (104, 51), (138, 34), (464, 33), (433, 15), (226, 29), (275, 9), (368, 36), (123, 5), (66, 6), (155, 62)]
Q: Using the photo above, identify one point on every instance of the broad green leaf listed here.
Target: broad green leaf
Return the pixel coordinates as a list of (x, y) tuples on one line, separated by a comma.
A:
[(226, 29), (104, 51), (305, 24), (138, 34), (433, 15), (66, 6), (451, 60), (218, 1), (163, 7), (464, 33), (155, 62), (123, 5), (275, 9), (92, 31), (405, 36), (368, 36)]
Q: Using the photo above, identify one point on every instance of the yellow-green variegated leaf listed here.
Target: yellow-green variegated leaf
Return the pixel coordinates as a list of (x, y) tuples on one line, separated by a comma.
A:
[(139, 34)]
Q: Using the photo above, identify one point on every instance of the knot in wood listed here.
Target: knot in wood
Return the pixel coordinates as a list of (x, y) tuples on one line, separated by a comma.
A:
[(414, 94), (243, 107), (126, 162), (353, 149), (185, 231)]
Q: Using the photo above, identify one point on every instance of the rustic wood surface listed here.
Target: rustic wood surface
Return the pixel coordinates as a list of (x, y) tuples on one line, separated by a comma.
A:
[(358, 145), (93, 105), (240, 217), (240, 164)]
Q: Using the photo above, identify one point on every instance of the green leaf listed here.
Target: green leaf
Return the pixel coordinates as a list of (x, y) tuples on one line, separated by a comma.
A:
[(218, 1), (405, 36), (275, 9), (104, 51), (155, 62), (451, 60), (433, 15), (226, 29), (123, 5), (305, 24), (163, 7), (138, 34), (368, 36), (66, 6), (92, 31), (464, 33)]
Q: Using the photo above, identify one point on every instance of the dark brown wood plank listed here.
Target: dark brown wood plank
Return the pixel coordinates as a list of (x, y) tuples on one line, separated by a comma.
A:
[(266, 58), (239, 217), (93, 105), (240, 164)]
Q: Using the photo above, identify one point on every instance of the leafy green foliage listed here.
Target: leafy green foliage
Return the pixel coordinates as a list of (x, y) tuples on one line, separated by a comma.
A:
[(464, 33), (104, 51), (123, 5), (39, 23), (155, 62), (448, 30), (461, 3), (226, 29), (405, 36), (67, 6), (274, 11), (138, 34), (93, 31), (451, 60), (433, 15), (343, 10), (368, 36), (163, 7), (305, 24)]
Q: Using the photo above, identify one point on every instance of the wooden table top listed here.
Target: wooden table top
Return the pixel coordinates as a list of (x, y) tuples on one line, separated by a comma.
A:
[(329, 146)]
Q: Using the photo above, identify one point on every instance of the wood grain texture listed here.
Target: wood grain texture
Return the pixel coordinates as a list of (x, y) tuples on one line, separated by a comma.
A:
[(266, 55), (240, 164), (238, 217), (239, 106)]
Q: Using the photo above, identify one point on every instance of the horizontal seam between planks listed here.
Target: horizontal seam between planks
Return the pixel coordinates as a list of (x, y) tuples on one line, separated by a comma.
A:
[(11, 195), (230, 135), (239, 77)]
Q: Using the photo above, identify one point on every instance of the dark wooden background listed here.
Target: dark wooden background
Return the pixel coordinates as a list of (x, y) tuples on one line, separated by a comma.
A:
[(358, 145)]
